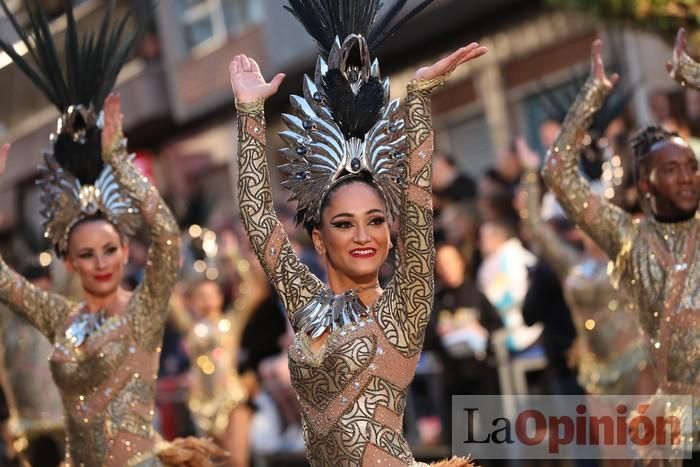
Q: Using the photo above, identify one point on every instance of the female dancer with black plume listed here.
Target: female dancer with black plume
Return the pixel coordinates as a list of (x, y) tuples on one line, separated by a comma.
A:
[(352, 169), (105, 355)]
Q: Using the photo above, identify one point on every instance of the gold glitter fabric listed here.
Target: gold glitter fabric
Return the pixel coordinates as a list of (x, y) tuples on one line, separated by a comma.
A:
[(353, 390), (214, 343), (659, 263), (609, 345), (107, 384), (686, 71), (215, 388)]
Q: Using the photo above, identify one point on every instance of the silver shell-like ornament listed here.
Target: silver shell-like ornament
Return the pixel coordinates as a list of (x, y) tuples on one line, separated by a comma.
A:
[(66, 202), (83, 326), (328, 312), (318, 155)]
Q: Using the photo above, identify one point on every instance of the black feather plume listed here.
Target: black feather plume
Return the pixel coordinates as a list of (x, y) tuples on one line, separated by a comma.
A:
[(355, 114), (91, 66), (84, 160), (382, 31), (325, 20)]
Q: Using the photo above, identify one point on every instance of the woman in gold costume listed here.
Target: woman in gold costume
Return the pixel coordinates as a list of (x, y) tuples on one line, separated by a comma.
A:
[(356, 346), (657, 258), (609, 351), (213, 340), (105, 348)]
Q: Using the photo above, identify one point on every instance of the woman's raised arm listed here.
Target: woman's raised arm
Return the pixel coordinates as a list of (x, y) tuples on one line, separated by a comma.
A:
[(682, 68), (410, 296), (153, 294), (293, 281)]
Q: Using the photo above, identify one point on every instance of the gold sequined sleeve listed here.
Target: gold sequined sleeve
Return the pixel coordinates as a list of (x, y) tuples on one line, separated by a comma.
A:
[(150, 300), (44, 310), (686, 71), (604, 222), (558, 254), (293, 281), (409, 302)]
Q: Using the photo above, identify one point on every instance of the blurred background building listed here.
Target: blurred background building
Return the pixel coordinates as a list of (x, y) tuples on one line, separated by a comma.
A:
[(179, 108)]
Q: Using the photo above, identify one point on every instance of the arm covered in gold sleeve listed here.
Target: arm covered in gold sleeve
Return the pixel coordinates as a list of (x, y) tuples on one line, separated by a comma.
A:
[(410, 295), (686, 71), (149, 304), (558, 254), (608, 225), (44, 310), (292, 279)]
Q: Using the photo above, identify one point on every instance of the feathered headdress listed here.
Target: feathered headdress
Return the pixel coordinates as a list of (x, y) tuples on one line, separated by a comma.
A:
[(344, 125), (76, 182)]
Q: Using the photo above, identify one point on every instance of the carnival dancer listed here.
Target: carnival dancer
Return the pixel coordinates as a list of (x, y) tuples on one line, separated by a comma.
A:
[(105, 348), (353, 165), (656, 258), (610, 354)]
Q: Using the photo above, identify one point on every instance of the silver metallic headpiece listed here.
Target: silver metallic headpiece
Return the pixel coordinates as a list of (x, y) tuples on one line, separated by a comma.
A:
[(67, 202), (320, 155)]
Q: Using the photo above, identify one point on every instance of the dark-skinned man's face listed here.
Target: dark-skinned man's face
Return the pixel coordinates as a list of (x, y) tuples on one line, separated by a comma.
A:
[(672, 180)]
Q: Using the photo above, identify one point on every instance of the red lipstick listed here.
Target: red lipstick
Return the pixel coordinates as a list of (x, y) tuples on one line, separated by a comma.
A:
[(363, 253), (103, 277)]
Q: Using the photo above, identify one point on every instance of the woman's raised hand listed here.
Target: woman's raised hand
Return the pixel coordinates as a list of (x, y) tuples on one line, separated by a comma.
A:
[(528, 158), (678, 50), (112, 124), (4, 152), (598, 66), (248, 83), (448, 64)]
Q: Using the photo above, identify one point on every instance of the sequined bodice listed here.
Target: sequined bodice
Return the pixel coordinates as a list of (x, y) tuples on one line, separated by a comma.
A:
[(108, 394), (664, 264), (602, 314), (353, 389), (215, 387)]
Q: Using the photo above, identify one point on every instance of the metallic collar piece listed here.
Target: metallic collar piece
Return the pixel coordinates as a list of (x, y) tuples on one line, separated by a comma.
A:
[(83, 326), (318, 154), (328, 312), (67, 201)]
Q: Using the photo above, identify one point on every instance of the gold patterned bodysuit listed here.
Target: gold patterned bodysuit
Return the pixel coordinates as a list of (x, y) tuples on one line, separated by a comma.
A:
[(353, 391), (612, 354), (215, 388), (107, 384), (659, 263)]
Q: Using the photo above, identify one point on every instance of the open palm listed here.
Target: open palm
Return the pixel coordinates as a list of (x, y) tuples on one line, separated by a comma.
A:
[(247, 81), (448, 64), (598, 66), (679, 50), (4, 152)]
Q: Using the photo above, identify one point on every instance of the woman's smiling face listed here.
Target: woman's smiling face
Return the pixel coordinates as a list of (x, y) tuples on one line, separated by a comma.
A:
[(354, 232)]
